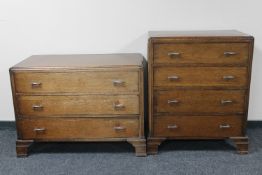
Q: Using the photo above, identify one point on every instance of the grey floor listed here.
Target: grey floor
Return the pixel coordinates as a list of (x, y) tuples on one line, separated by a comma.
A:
[(175, 157)]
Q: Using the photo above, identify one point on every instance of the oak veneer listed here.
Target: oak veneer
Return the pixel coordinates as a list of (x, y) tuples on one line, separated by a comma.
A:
[(79, 98), (198, 86)]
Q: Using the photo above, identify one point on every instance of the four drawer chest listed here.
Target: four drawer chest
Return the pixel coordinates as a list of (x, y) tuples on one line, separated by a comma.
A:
[(79, 98), (199, 86)]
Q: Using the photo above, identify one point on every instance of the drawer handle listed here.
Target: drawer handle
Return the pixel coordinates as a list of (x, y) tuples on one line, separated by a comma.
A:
[(36, 84), (37, 107), (174, 101), (224, 126), (229, 53), (173, 54), (118, 83), (119, 128), (118, 106), (172, 127), (39, 129), (228, 77), (226, 101), (172, 78)]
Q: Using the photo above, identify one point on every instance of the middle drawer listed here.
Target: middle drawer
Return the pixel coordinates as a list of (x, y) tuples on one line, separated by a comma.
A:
[(77, 105), (200, 101), (200, 76)]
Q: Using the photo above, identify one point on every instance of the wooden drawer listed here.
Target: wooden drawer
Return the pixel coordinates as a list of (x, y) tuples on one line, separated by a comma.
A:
[(200, 101), (198, 126), (77, 105), (79, 82), (77, 128), (200, 76), (223, 53)]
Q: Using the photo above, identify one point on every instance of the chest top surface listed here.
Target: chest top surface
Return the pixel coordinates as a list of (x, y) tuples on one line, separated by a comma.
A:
[(81, 61), (199, 33)]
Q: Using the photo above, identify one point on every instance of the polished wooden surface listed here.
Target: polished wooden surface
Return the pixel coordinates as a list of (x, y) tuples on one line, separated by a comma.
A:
[(200, 101), (197, 33), (198, 126), (99, 81), (77, 105), (79, 98), (198, 80), (200, 76), (201, 53), (77, 128), (80, 61)]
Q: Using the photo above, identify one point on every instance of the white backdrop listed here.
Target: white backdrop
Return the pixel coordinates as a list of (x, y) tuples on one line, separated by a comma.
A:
[(30, 27)]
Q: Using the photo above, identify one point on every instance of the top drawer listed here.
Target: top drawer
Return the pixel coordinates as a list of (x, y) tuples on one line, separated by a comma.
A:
[(225, 53), (79, 82)]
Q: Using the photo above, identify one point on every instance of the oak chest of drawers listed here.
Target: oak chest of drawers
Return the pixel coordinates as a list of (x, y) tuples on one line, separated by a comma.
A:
[(199, 86), (79, 98)]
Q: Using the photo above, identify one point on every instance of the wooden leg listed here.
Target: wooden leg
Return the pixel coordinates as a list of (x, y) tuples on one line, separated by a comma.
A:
[(139, 145), (241, 144), (22, 147), (152, 145)]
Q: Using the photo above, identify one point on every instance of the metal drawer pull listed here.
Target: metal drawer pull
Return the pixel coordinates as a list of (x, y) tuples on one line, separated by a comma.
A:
[(172, 101), (36, 84), (172, 126), (173, 54), (39, 129), (229, 53), (119, 128), (171, 78), (37, 107), (226, 101), (228, 77), (118, 83), (118, 106), (224, 126)]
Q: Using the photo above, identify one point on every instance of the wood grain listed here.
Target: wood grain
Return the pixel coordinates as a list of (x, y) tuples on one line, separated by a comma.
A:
[(201, 53), (195, 70), (200, 101), (68, 105), (77, 82), (198, 126), (78, 128), (200, 76)]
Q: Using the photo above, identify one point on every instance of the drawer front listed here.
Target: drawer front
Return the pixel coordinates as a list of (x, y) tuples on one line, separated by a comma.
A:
[(200, 76), (225, 53), (79, 82), (76, 105), (198, 126), (77, 128), (200, 101)]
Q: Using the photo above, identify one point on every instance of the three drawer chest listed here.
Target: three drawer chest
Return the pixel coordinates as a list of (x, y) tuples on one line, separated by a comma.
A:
[(79, 98), (199, 86)]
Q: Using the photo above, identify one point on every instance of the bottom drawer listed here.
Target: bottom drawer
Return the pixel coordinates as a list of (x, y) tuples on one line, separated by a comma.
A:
[(198, 126), (77, 128)]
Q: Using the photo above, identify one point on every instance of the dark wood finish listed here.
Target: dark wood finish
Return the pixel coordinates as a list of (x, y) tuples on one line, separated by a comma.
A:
[(201, 53), (200, 101), (197, 76), (23, 147), (112, 81), (241, 144), (198, 126), (139, 145), (79, 98), (198, 86), (77, 128), (153, 144), (81, 61), (78, 105)]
